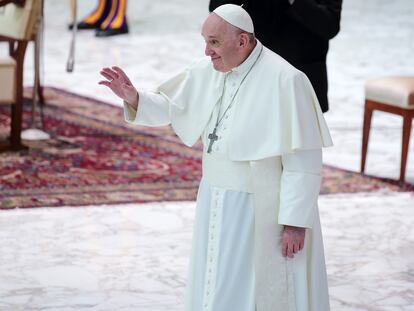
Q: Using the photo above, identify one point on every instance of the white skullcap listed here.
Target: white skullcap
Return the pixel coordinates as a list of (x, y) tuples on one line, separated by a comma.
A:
[(235, 15)]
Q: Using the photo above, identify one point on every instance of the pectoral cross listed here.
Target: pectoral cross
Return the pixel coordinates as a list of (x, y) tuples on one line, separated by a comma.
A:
[(212, 137)]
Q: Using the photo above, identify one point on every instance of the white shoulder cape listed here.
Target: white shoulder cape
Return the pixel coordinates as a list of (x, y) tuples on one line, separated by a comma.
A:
[(276, 109)]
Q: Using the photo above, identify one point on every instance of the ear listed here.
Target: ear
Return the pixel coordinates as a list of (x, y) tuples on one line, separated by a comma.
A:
[(244, 40)]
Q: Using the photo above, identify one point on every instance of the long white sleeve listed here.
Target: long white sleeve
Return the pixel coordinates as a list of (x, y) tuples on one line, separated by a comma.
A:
[(153, 110), (300, 186)]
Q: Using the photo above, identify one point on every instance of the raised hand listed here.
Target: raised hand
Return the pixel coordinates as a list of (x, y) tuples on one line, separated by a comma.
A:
[(119, 83), (293, 240)]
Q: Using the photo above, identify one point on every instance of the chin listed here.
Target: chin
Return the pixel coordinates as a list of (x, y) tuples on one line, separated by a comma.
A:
[(219, 67)]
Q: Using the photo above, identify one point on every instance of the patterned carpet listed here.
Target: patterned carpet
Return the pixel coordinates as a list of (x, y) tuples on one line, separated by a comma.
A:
[(94, 157)]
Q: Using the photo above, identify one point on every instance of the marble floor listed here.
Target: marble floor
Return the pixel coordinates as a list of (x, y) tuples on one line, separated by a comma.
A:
[(129, 257), (134, 257)]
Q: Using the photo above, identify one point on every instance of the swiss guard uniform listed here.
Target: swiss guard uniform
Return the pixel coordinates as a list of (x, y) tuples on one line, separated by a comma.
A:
[(108, 18)]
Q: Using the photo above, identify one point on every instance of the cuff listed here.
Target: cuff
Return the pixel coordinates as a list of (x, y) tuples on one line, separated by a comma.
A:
[(298, 199), (130, 114)]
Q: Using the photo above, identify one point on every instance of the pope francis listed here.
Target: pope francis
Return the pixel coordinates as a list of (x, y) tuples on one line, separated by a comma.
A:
[(257, 243)]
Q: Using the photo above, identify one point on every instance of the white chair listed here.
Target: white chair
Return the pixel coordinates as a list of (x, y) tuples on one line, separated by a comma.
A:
[(393, 95), (7, 80), (17, 26)]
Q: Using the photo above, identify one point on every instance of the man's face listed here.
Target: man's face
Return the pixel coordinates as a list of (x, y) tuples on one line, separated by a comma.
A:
[(221, 43)]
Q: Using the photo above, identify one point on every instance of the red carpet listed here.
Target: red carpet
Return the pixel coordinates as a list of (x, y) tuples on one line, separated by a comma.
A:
[(94, 157)]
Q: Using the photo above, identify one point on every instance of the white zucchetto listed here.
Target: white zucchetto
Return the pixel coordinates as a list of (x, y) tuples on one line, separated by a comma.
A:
[(236, 16)]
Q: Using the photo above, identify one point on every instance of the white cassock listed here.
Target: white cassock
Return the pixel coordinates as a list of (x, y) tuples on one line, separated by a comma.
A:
[(263, 173)]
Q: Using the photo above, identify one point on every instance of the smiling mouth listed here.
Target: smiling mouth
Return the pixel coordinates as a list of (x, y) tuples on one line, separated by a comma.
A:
[(216, 58)]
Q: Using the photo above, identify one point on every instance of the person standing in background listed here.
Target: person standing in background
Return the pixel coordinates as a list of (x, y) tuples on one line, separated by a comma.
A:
[(297, 30), (108, 18)]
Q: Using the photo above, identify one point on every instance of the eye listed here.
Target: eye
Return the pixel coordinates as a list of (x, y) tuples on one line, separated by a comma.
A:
[(214, 43)]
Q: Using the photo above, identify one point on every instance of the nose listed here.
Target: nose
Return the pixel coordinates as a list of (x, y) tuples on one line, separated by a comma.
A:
[(208, 51)]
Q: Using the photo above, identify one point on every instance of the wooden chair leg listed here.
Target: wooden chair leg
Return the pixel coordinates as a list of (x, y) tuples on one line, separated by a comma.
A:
[(16, 126), (17, 108), (16, 115), (365, 134), (405, 143)]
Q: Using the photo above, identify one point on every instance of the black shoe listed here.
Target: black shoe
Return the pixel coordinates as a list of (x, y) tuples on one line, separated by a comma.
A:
[(84, 26), (111, 32)]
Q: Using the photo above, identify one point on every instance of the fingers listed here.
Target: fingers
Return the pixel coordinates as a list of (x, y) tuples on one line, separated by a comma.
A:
[(122, 74), (290, 250), (292, 242), (287, 246), (106, 83), (301, 244), (284, 246), (109, 74), (106, 75)]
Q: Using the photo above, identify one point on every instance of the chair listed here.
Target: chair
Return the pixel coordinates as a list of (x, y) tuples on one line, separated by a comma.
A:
[(18, 23), (393, 95)]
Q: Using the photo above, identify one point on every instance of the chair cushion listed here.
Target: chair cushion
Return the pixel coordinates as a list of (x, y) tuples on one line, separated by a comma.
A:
[(20, 23), (394, 91), (7, 80)]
